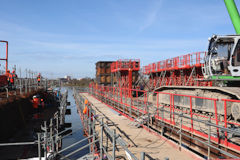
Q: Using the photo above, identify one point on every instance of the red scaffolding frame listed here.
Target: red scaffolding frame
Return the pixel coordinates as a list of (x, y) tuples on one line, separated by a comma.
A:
[(6, 58), (3, 77), (121, 95), (185, 70), (123, 70)]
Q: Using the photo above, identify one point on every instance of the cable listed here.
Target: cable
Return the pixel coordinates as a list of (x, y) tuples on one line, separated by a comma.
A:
[(166, 139), (138, 134)]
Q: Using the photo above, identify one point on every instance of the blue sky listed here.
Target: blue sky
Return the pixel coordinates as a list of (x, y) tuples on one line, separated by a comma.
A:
[(67, 37)]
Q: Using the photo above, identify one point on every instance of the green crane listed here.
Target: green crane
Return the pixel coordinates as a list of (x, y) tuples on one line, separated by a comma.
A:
[(233, 12), (222, 62)]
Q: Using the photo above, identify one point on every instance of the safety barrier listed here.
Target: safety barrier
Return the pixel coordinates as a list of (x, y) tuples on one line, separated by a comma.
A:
[(121, 65), (196, 123), (49, 139), (213, 131), (180, 62), (101, 148), (26, 85)]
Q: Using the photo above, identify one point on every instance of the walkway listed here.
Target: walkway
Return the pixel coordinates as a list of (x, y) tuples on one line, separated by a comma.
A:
[(138, 139)]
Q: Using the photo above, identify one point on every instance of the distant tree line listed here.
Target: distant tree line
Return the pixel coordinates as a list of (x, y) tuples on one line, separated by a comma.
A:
[(84, 82)]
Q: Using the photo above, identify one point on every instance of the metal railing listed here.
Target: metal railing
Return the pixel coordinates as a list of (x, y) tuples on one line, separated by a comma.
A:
[(102, 147), (140, 107), (184, 61), (102, 144), (25, 85), (50, 138), (120, 65)]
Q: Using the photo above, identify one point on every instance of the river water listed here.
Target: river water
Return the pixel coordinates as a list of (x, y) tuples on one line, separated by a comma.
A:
[(77, 129)]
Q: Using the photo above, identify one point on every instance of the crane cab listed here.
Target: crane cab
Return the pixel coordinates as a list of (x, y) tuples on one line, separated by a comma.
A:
[(222, 61)]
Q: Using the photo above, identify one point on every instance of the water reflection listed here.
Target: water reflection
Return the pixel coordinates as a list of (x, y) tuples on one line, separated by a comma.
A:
[(77, 130)]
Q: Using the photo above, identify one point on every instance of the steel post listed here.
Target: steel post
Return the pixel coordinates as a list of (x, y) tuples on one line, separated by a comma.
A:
[(114, 144), (20, 87), (6, 92), (142, 156), (29, 87), (101, 140), (130, 114), (106, 141), (209, 138), (162, 119), (180, 134), (93, 130), (51, 134), (39, 146), (89, 125), (148, 123), (45, 140), (26, 87)]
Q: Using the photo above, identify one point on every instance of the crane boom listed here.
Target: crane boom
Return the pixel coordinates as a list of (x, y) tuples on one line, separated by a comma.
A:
[(233, 12)]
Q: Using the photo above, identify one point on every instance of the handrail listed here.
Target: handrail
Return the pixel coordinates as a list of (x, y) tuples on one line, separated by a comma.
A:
[(133, 64), (180, 62), (116, 139), (141, 106)]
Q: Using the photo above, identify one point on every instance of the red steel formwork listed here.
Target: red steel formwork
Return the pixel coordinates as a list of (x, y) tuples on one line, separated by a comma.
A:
[(122, 72), (195, 124), (183, 70), (3, 77)]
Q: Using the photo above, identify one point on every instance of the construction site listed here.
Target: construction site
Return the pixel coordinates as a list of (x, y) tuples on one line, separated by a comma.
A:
[(183, 107)]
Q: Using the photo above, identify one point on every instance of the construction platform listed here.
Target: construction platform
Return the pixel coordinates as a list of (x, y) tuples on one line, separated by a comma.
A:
[(139, 139)]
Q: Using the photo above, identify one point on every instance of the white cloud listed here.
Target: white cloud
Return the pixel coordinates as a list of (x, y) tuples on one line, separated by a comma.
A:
[(151, 15)]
